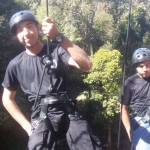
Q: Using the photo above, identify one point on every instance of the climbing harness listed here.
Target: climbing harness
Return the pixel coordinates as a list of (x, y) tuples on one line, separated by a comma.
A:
[(146, 117), (51, 98)]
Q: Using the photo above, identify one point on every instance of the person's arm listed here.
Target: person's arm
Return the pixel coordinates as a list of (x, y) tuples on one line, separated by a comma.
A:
[(126, 120), (79, 58), (13, 109), (77, 54)]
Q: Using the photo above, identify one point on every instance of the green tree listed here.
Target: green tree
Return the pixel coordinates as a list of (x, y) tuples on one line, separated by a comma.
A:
[(74, 19), (8, 44), (104, 84), (9, 48), (103, 31), (138, 33)]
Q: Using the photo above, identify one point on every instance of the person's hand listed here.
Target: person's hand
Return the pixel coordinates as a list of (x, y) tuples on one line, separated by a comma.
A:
[(49, 28), (29, 131), (130, 135), (28, 128)]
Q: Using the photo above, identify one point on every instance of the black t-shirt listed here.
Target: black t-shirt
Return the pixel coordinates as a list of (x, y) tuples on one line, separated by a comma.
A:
[(136, 92), (26, 70)]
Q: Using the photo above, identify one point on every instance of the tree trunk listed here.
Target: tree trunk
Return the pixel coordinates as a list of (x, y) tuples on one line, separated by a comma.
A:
[(109, 136)]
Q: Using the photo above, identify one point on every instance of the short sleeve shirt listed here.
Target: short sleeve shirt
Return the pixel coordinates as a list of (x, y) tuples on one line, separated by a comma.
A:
[(135, 92), (26, 70)]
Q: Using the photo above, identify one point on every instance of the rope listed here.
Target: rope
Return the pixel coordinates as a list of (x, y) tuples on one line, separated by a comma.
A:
[(46, 64), (48, 41), (124, 70), (35, 103)]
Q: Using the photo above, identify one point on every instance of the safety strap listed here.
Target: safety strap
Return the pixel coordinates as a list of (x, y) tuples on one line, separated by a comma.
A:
[(44, 106), (69, 105), (146, 116), (140, 111), (50, 100), (144, 119), (38, 120)]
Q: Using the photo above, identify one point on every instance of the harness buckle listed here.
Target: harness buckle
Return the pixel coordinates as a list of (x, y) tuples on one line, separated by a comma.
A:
[(35, 123), (50, 100)]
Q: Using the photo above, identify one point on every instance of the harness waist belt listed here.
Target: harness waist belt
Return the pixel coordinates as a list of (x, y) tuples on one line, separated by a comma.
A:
[(139, 123), (68, 103), (39, 119), (144, 119), (50, 100)]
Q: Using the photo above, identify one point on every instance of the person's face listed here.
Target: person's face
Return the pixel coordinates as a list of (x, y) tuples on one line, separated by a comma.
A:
[(27, 33), (143, 69)]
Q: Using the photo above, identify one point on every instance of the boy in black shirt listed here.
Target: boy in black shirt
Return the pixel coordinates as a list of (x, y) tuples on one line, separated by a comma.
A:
[(136, 92), (50, 115)]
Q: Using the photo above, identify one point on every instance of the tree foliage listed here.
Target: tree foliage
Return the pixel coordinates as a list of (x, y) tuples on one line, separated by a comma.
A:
[(74, 19), (104, 79), (96, 26)]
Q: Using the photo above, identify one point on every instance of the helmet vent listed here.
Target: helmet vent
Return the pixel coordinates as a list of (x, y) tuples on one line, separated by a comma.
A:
[(138, 56), (14, 16)]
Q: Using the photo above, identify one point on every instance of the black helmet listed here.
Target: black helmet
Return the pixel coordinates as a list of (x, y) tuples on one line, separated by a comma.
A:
[(21, 16), (140, 55)]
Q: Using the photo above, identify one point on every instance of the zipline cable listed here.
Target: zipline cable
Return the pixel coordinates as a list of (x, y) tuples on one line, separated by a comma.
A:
[(50, 59), (124, 71), (46, 64), (48, 41)]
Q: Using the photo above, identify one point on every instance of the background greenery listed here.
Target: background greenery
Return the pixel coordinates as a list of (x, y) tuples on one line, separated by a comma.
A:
[(99, 27)]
